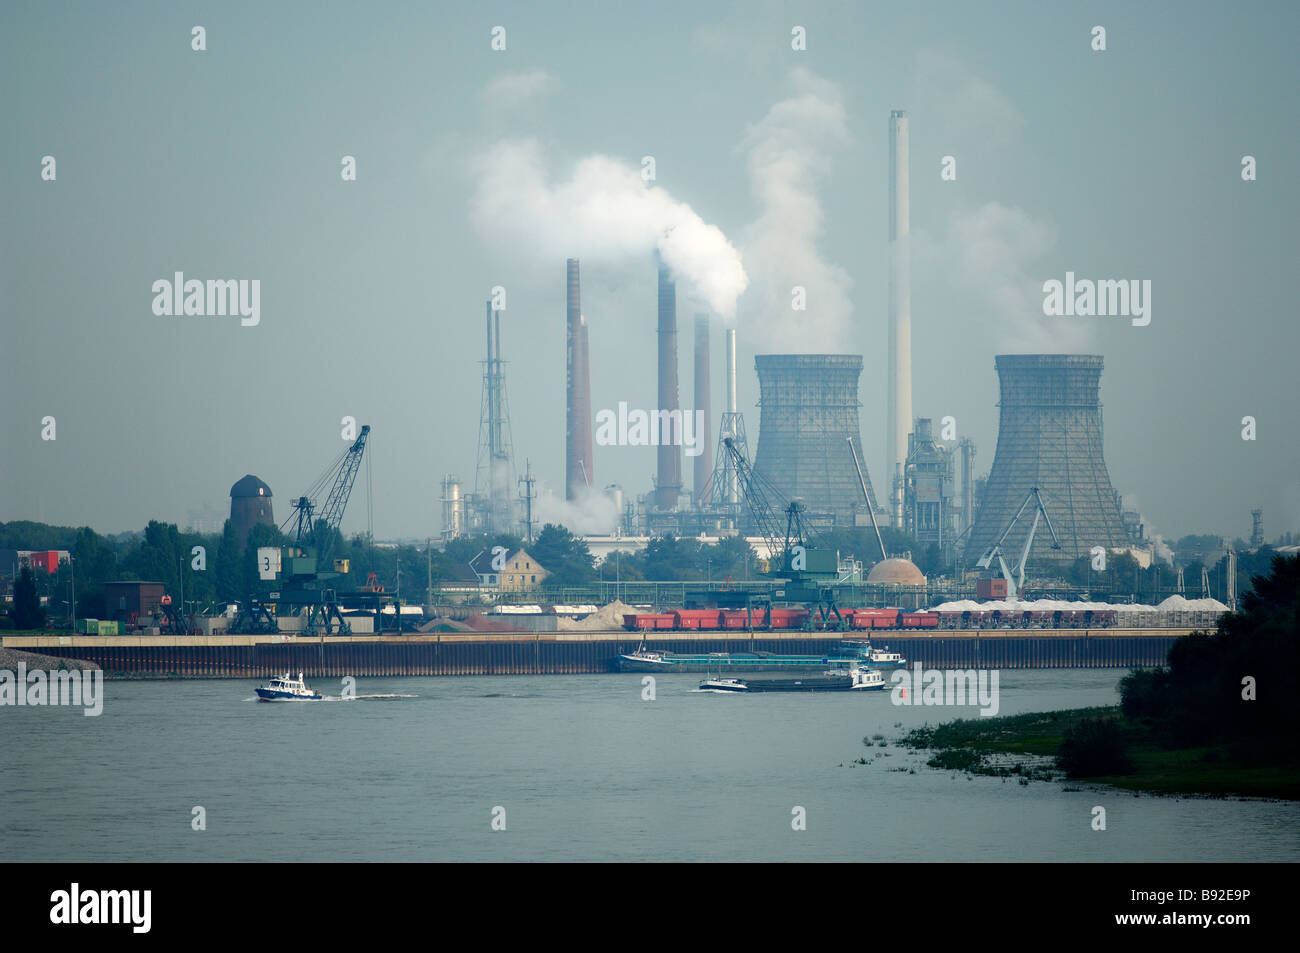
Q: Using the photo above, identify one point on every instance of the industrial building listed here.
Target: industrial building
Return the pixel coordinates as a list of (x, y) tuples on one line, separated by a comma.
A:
[(1049, 438), (929, 489)]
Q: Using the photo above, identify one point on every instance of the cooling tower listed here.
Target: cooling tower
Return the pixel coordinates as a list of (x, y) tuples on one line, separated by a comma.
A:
[(577, 412), (669, 484), (808, 410), (1050, 437)]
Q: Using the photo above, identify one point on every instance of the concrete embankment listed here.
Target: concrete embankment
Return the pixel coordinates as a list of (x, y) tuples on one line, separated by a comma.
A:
[(547, 653)]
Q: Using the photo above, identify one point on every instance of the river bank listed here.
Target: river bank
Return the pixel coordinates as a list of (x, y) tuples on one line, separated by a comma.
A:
[(1027, 746)]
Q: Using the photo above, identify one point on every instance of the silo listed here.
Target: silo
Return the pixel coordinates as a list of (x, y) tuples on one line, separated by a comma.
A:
[(1049, 437), (250, 503), (808, 410)]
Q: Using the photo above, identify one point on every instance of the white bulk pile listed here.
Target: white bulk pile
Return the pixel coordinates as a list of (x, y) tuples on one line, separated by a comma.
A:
[(1175, 609)]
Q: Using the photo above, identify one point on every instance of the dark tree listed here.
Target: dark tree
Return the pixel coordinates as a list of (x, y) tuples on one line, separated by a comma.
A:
[(27, 611)]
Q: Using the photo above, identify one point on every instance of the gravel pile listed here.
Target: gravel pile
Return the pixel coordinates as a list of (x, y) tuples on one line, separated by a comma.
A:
[(10, 659)]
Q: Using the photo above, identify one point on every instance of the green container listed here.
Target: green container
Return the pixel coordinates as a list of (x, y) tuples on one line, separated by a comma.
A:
[(88, 626)]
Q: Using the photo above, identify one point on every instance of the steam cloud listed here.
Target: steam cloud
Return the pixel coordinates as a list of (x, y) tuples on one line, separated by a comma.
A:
[(605, 212), (592, 513), (787, 160)]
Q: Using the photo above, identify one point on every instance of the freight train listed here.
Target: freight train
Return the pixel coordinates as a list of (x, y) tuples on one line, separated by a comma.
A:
[(804, 620)]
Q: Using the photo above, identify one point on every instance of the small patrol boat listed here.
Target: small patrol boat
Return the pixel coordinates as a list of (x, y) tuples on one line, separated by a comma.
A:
[(285, 688)]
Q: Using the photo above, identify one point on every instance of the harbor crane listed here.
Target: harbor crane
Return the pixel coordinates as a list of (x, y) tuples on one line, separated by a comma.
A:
[(792, 554), (314, 524), (763, 500), (298, 573), (862, 482), (1016, 580)]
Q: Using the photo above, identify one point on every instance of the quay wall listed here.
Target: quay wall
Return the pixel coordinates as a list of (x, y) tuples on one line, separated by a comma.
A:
[(556, 653)]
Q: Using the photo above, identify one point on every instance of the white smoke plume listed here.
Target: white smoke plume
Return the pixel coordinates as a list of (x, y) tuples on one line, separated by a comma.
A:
[(593, 513), (788, 153), (988, 259), (604, 212)]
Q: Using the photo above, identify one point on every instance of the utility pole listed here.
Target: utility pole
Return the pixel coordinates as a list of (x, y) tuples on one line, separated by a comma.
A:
[(428, 561)]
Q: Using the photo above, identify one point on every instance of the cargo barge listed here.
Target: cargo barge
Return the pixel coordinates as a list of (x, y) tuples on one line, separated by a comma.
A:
[(646, 661), (847, 655), (853, 680)]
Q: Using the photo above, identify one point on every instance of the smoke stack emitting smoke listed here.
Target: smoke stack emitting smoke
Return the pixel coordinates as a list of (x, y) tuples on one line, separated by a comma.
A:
[(669, 484), (605, 213)]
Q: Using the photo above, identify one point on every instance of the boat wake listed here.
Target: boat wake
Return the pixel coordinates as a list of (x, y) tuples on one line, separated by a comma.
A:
[(377, 696)]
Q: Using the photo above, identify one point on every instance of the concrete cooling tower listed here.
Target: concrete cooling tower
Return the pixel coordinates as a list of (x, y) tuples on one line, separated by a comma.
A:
[(1049, 437), (808, 411)]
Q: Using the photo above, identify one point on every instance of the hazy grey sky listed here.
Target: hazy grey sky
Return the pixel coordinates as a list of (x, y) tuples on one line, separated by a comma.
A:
[(226, 164)]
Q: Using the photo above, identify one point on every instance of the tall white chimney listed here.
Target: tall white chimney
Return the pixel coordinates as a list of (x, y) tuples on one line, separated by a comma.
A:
[(731, 371), (900, 313), (729, 395)]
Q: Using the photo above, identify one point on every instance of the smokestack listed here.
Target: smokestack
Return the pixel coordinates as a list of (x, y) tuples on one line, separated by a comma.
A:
[(731, 371), (704, 462), (577, 418), (670, 452), (900, 313)]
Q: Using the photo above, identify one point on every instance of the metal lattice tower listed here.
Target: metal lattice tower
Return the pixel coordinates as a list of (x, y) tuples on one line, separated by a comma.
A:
[(808, 412), (724, 504), (1050, 437), (494, 480)]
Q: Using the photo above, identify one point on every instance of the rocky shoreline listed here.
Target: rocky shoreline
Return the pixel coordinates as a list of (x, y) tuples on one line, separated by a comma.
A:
[(10, 659)]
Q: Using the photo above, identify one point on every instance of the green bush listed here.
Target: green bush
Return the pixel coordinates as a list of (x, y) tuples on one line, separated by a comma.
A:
[(1093, 748)]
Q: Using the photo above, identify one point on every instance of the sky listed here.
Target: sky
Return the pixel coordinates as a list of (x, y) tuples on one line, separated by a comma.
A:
[(479, 167)]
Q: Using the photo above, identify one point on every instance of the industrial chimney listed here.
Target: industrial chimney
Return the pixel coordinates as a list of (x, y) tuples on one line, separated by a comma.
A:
[(1049, 437), (808, 411), (704, 462), (900, 314), (577, 415), (669, 484)]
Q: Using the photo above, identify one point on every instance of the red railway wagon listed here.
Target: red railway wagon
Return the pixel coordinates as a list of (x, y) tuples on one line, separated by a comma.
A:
[(919, 620), (695, 618), (647, 620), (736, 618), (788, 618), (874, 619)]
